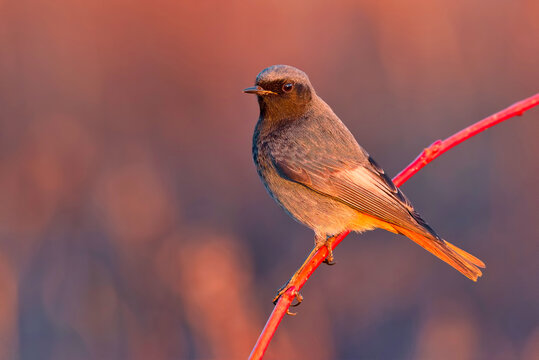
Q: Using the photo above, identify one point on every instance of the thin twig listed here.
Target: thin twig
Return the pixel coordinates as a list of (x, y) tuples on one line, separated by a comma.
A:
[(430, 153)]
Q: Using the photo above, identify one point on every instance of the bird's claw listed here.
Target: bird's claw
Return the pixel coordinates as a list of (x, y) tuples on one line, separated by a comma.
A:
[(297, 296), (329, 262), (330, 259), (299, 299)]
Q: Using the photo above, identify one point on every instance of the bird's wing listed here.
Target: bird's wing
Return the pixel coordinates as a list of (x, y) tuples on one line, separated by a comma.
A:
[(355, 180)]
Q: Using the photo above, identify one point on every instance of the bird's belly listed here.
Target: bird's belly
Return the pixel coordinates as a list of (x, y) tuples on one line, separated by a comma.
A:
[(321, 213)]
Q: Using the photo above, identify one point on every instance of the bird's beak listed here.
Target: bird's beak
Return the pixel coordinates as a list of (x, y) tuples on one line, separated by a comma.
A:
[(258, 90)]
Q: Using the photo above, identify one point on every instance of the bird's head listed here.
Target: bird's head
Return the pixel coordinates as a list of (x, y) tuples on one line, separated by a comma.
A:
[(283, 91)]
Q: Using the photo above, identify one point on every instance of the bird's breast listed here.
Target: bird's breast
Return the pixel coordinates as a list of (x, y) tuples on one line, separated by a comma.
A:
[(321, 213)]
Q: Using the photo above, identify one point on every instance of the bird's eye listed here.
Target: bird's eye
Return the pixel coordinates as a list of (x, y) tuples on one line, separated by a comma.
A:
[(287, 87)]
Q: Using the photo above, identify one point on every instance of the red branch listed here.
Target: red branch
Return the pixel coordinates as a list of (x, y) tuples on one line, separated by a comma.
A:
[(432, 152)]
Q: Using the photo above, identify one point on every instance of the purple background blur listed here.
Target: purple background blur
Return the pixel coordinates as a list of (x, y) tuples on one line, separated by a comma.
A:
[(133, 224)]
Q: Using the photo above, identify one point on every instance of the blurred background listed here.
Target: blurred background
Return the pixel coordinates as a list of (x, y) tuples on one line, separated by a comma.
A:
[(133, 224)]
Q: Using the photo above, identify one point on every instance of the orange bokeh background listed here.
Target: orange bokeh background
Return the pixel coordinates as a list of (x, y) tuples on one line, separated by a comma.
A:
[(133, 224)]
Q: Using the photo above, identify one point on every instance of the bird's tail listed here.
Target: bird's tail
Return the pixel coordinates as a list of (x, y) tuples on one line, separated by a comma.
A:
[(464, 262)]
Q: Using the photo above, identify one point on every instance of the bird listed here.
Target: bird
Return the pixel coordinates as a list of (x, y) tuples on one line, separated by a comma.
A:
[(313, 167)]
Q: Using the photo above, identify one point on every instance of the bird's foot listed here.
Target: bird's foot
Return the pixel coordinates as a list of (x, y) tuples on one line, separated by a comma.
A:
[(282, 290), (330, 259), (320, 240)]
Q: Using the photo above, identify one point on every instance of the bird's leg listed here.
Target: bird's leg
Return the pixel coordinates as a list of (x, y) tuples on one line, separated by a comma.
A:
[(328, 242), (319, 241)]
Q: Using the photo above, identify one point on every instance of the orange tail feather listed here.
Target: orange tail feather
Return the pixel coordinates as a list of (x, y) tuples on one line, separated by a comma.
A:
[(464, 262)]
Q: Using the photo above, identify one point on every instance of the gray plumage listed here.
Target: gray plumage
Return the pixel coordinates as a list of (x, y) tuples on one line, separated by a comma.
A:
[(313, 147)]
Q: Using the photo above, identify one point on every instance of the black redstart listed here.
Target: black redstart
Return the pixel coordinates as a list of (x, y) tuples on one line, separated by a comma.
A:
[(312, 166)]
